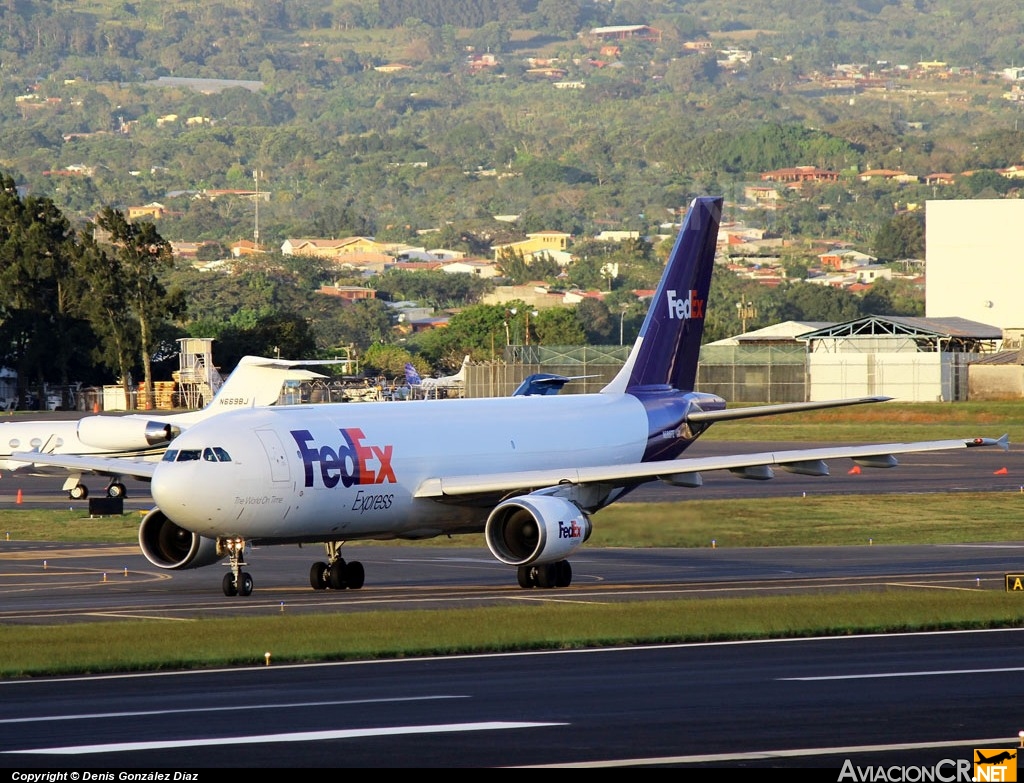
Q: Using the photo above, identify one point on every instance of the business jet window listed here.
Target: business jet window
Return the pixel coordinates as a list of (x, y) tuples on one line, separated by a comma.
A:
[(188, 455), (170, 455), (35, 443), (216, 454), (14, 443)]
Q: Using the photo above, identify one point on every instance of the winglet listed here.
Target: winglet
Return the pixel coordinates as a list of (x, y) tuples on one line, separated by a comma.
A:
[(1003, 442)]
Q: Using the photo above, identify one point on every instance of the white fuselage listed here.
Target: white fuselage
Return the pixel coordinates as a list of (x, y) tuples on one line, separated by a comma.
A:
[(58, 437), (352, 470)]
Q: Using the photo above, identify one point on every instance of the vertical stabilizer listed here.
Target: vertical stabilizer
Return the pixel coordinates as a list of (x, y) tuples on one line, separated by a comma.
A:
[(667, 349), (411, 376)]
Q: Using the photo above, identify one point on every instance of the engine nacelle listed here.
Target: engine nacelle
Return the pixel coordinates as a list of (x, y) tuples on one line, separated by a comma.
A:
[(166, 545), (535, 529), (123, 432)]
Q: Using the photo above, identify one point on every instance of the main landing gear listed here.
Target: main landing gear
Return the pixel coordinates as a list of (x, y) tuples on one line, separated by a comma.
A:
[(545, 575), (336, 573), (238, 582), (114, 490)]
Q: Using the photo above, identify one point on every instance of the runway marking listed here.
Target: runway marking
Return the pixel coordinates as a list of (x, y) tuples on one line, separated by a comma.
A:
[(712, 758), (293, 705), (885, 675), (299, 736), (933, 587), (133, 616), (64, 552)]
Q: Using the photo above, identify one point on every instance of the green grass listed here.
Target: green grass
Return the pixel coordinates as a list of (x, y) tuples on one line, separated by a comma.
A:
[(149, 646)]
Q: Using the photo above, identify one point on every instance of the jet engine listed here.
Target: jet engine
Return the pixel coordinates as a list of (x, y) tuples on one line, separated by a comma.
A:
[(123, 432), (535, 529), (166, 545)]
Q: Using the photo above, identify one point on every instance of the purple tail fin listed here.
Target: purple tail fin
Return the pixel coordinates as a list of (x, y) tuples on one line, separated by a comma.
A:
[(411, 376), (668, 347)]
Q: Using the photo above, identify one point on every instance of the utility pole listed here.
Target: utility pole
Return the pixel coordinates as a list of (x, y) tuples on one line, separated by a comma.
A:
[(256, 229)]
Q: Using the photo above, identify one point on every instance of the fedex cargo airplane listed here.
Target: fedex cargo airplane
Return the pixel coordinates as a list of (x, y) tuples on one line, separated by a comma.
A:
[(528, 471), (255, 381)]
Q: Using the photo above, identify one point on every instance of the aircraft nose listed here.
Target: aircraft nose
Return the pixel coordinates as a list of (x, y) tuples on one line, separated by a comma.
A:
[(177, 488)]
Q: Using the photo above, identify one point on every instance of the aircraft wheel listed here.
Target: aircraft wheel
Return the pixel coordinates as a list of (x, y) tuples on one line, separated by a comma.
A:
[(79, 492), (228, 584), (116, 490), (336, 575), (355, 575), (318, 576), (546, 575), (244, 583), (563, 573), (525, 576)]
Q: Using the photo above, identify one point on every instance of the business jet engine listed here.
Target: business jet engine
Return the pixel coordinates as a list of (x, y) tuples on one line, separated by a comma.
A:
[(535, 529), (168, 546), (124, 432)]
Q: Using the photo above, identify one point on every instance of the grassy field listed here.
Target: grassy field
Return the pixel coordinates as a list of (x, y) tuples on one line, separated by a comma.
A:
[(806, 521)]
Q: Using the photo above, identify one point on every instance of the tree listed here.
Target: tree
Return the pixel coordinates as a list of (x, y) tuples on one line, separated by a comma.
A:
[(141, 255), (104, 305), (900, 237), (38, 331)]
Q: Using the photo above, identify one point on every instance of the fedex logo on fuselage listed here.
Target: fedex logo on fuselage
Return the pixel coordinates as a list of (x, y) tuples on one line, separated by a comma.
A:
[(350, 462), (688, 307)]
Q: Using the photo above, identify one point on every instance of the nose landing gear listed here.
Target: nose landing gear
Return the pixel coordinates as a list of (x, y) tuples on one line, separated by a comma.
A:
[(238, 582)]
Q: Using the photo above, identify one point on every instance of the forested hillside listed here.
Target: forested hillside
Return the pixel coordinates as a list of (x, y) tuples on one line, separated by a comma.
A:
[(393, 117)]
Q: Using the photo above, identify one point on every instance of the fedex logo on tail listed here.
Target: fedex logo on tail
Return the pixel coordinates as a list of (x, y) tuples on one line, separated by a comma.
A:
[(350, 462), (688, 307)]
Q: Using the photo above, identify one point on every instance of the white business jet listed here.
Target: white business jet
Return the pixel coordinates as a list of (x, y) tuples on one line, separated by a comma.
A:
[(254, 381)]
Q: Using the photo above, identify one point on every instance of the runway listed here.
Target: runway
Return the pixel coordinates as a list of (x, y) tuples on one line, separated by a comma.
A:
[(44, 584), (890, 701)]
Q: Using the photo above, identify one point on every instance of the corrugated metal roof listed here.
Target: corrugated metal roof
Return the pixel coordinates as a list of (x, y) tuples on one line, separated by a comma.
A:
[(872, 325)]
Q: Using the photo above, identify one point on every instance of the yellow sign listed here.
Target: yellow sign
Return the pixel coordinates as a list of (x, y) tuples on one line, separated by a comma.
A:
[(1015, 583), (995, 765)]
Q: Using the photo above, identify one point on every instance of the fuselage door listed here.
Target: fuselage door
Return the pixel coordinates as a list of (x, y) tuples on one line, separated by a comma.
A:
[(276, 455)]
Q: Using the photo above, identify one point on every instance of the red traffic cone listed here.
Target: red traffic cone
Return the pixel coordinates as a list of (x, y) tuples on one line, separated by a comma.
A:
[(18, 501), (854, 471)]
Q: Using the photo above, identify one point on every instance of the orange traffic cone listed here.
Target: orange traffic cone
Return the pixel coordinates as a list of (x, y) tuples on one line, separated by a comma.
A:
[(18, 501), (855, 470), (1001, 472)]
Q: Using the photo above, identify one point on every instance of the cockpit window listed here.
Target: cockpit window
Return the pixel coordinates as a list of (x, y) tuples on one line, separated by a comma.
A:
[(209, 454)]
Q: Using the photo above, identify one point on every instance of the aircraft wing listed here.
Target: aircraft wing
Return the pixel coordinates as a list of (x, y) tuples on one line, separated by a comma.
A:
[(103, 466), (686, 472)]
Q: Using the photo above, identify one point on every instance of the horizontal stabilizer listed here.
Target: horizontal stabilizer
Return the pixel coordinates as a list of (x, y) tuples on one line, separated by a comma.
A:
[(774, 410)]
